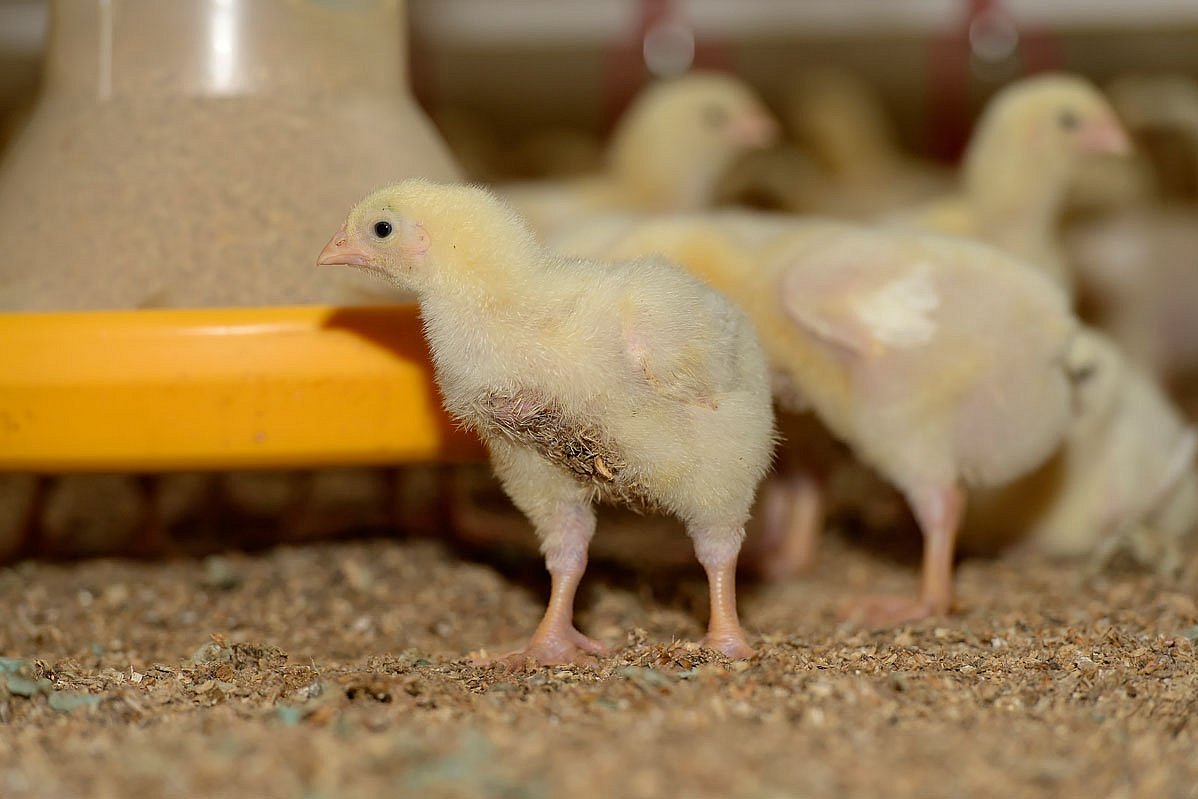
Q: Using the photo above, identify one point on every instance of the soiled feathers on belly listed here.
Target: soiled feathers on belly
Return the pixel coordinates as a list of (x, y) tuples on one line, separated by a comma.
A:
[(579, 446)]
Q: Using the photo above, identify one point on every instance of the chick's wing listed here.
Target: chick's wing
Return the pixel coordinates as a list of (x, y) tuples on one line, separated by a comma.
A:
[(861, 297), (684, 344)]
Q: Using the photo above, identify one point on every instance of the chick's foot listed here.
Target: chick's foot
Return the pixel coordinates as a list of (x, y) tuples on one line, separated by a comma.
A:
[(551, 647), (731, 643)]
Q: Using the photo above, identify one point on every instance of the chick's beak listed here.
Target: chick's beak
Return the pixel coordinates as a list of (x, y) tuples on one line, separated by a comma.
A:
[(755, 129), (1104, 136), (339, 252)]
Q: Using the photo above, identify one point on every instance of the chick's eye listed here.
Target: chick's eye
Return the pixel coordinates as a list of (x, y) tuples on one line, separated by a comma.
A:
[(1068, 120), (714, 116), (382, 229)]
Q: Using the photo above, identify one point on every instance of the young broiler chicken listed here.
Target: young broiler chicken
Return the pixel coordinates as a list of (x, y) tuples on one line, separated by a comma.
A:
[(629, 381), (892, 338), (666, 153), (1024, 152)]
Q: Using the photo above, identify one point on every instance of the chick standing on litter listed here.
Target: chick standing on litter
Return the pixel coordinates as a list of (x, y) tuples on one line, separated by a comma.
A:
[(1025, 151), (627, 381), (893, 339), (666, 154)]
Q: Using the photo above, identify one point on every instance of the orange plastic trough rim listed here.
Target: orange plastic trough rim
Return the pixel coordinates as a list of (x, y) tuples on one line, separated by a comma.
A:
[(226, 388)]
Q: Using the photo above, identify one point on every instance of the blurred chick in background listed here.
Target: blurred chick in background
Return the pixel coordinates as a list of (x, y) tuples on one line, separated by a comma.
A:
[(1024, 153), (942, 363), (666, 154), (843, 158)]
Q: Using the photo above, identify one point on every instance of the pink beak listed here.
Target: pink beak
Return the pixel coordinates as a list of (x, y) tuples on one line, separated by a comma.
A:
[(1104, 137), (753, 130), (338, 252)]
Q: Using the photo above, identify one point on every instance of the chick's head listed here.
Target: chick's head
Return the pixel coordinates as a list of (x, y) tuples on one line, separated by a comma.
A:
[(1060, 115), (421, 235), (698, 123)]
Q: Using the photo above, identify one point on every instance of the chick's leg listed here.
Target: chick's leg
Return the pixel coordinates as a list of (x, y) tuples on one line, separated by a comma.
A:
[(559, 508), (793, 521), (556, 639), (939, 515), (717, 549)]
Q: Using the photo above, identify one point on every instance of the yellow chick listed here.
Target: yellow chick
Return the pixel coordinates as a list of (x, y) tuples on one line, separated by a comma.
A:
[(631, 382), (890, 338), (856, 169), (666, 154), (1124, 478), (1018, 166)]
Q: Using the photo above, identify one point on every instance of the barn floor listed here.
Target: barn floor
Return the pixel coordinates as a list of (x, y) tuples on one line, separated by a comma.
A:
[(342, 670)]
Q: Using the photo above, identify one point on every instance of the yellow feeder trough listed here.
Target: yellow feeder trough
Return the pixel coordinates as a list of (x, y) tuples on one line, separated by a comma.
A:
[(160, 390)]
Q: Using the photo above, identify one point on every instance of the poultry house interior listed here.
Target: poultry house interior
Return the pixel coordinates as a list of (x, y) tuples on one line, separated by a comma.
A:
[(691, 398)]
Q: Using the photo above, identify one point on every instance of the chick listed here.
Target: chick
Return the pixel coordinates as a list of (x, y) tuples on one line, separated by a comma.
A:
[(1124, 478), (893, 339), (1018, 166), (666, 153), (631, 382)]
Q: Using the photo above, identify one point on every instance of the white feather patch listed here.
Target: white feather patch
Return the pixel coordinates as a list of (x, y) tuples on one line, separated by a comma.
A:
[(899, 313)]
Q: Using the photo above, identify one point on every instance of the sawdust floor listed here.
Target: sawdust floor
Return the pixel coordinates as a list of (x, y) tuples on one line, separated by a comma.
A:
[(340, 670)]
